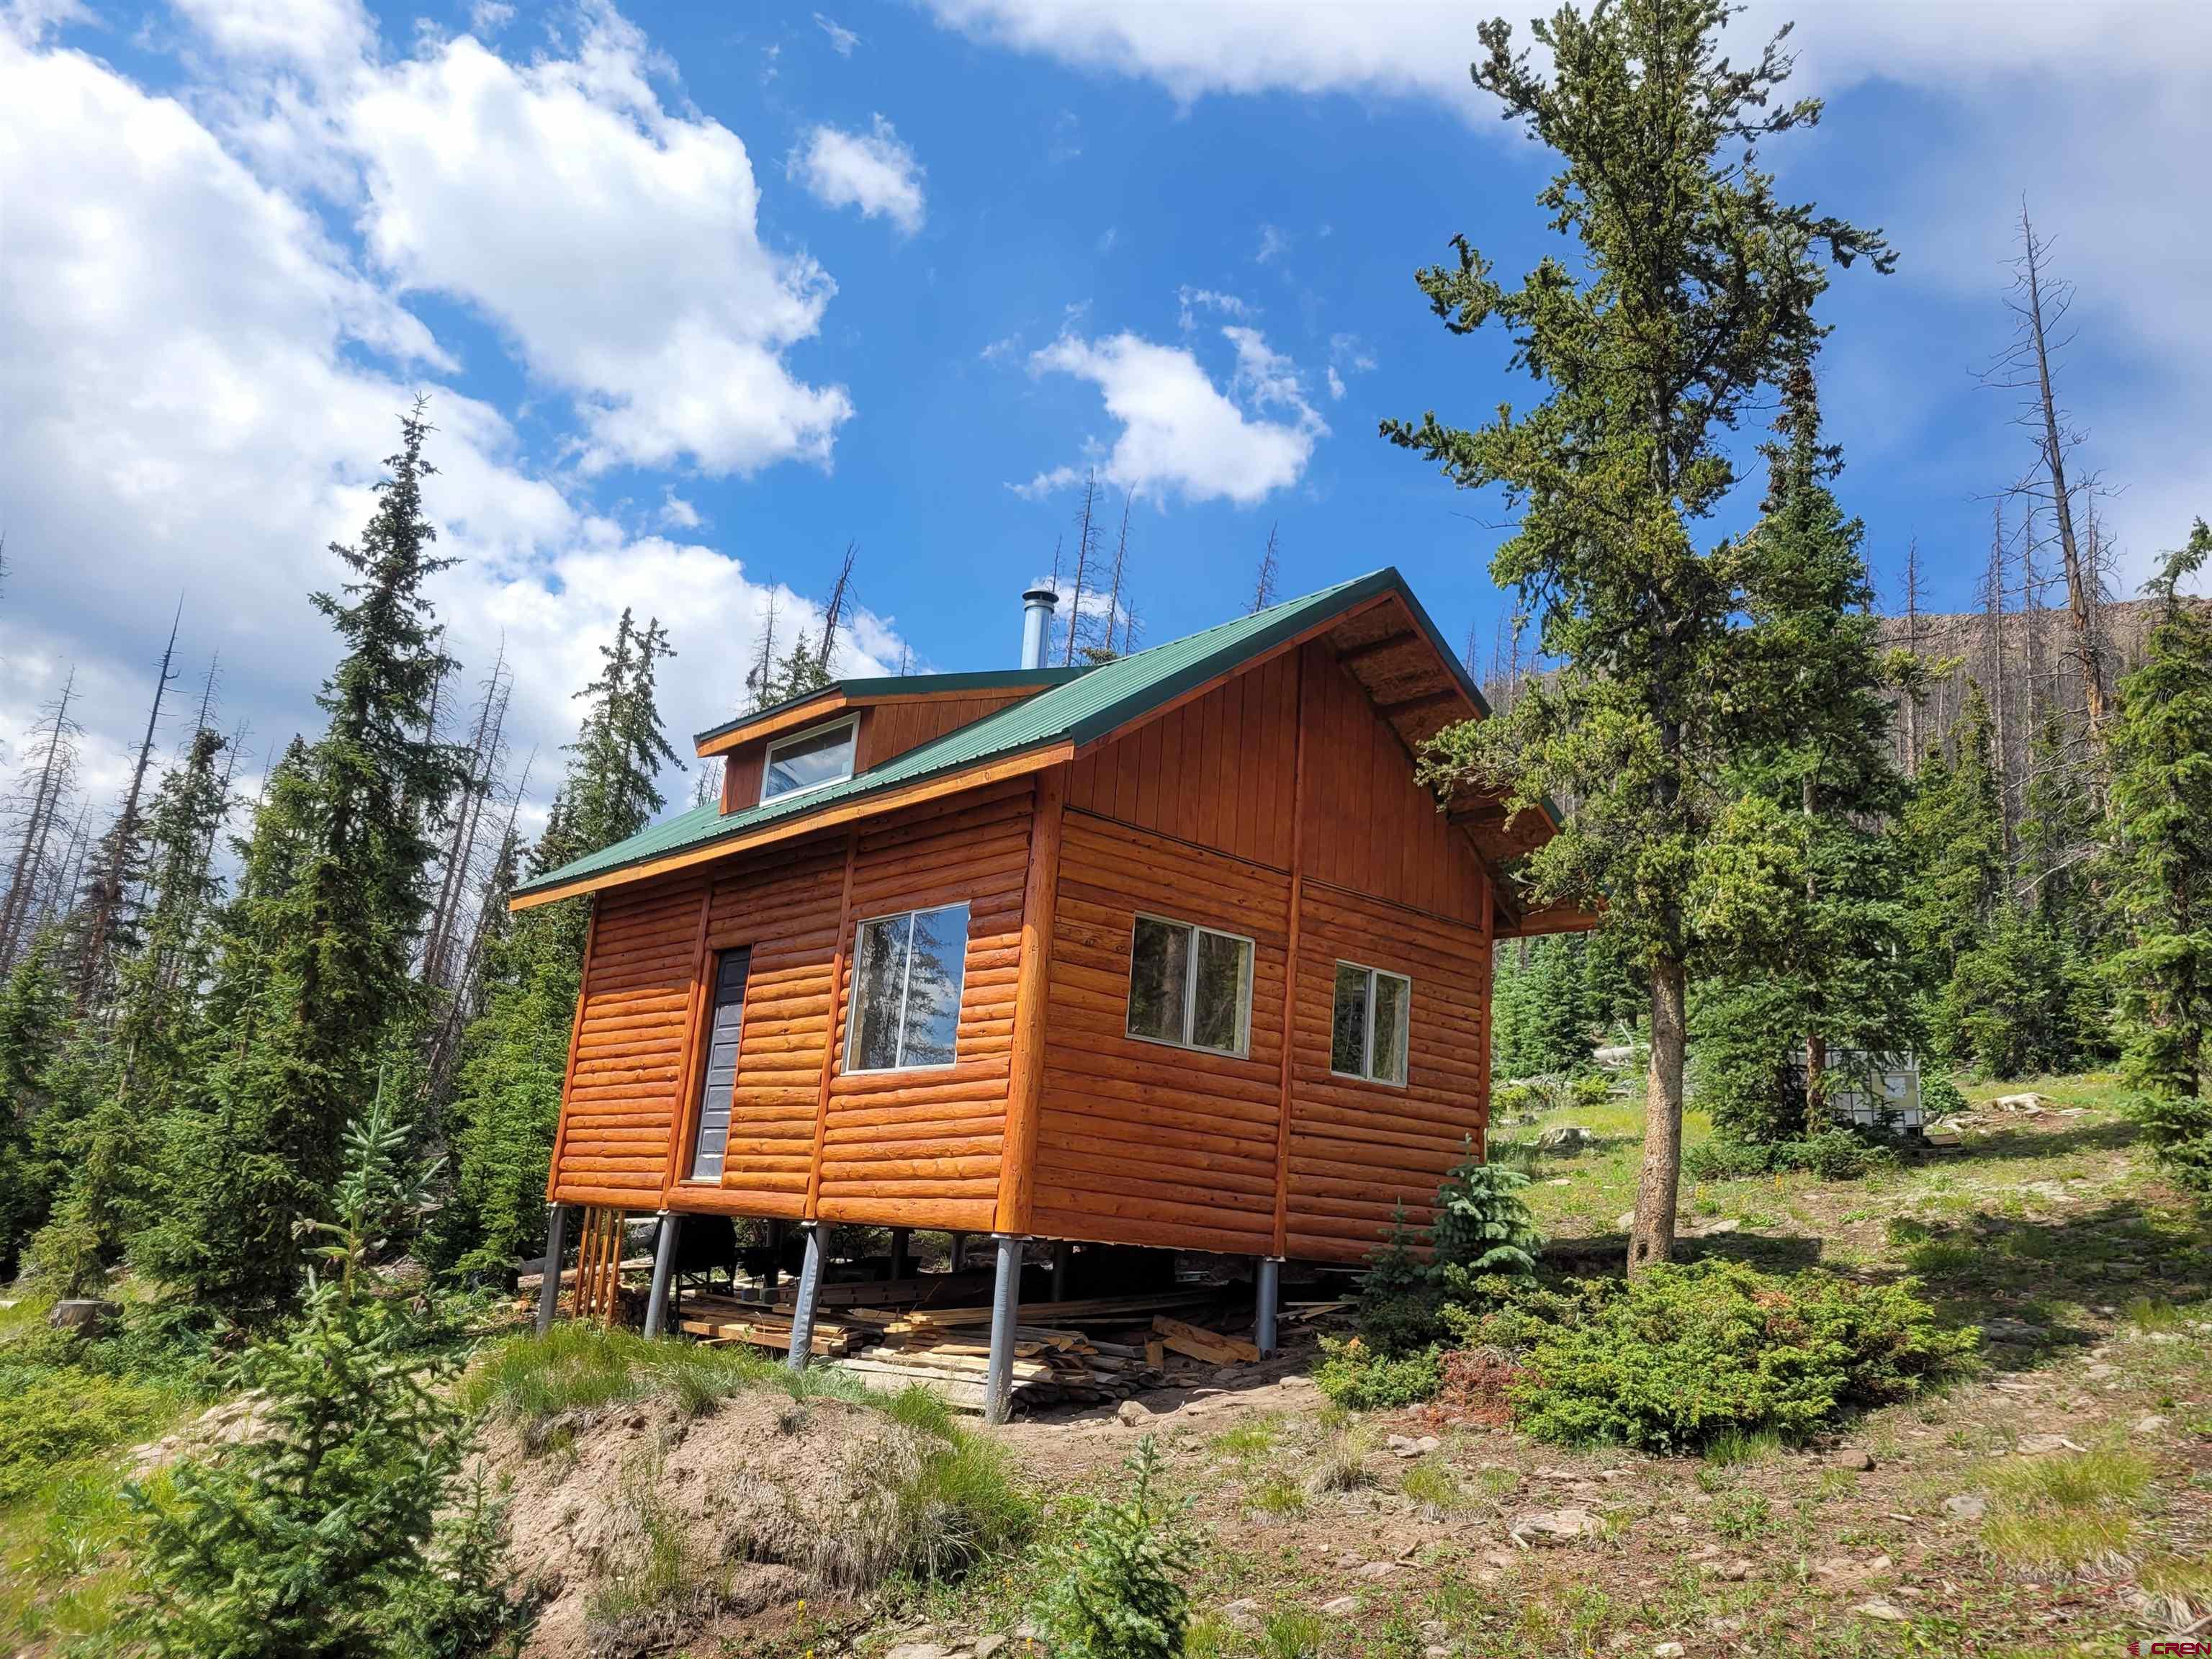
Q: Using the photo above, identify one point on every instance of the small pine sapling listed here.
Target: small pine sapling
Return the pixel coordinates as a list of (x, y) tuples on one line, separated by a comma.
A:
[(1483, 1231), (1398, 1306), (1119, 1594), (347, 1529)]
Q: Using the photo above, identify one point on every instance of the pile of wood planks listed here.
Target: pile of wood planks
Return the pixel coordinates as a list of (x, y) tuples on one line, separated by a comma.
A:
[(893, 1335)]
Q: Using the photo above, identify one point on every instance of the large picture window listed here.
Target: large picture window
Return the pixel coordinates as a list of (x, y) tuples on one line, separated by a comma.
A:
[(907, 973), (1190, 985), (1367, 1036), (809, 761)]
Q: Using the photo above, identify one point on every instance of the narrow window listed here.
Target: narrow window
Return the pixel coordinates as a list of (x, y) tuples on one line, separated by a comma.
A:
[(1368, 1029), (1190, 985), (907, 975), (718, 1077), (809, 760)]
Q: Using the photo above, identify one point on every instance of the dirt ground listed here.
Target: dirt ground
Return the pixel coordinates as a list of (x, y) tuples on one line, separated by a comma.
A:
[(1925, 1528)]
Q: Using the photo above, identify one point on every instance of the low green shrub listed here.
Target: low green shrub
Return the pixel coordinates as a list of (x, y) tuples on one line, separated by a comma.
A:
[(2180, 1132), (1120, 1591), (1840, 1155), (51, 1417), (1682, 1354), (1482, 1228), (1591, 1089), (1939, 1096), (348, 1529), (1361, 1378)]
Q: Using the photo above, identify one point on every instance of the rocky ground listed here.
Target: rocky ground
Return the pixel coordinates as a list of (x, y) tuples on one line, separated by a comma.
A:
[(2059, 1502)]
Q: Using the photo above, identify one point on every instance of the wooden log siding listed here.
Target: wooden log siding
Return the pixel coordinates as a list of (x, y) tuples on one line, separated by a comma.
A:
[(632, 1038), (922, 1147), (1201, 814), (1139, 1143), (784, 909), (1370, 826), (1360, 1149), (1218, 771)]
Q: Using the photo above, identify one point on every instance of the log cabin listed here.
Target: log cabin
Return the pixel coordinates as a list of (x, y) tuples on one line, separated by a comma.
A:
[(1175, 951)]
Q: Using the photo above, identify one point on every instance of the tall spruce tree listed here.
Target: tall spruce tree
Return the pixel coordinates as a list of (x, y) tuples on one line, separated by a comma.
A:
[(1696, 291), (315, 968), (2162, 757), (145, 1066), (1799, 887), (515, 1054), (35, 1029)]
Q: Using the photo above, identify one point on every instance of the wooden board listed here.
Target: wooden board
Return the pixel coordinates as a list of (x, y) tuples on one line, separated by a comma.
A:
[(1209, 1346)]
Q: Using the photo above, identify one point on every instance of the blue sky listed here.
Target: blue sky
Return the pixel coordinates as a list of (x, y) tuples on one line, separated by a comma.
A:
[(701, 293)]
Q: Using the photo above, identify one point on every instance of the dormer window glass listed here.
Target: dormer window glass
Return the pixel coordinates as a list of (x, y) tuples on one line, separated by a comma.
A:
[(808, 761)]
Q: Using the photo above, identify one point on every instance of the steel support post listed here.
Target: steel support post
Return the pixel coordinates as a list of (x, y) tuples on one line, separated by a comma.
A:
[(663, 1272), (548, 1287), (1267, 1296), (1005, 1309), (810, 1286)]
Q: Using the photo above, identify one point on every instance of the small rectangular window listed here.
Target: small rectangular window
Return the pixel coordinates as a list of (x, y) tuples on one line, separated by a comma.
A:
[(908, 970), (1368, 1030), (1190, 985), (809, 761)]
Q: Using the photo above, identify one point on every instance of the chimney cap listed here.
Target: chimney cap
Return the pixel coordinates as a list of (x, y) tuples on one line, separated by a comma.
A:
[(1043, 594)]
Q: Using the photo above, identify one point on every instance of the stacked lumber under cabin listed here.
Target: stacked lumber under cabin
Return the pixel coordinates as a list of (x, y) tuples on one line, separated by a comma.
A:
[(935, 1331)]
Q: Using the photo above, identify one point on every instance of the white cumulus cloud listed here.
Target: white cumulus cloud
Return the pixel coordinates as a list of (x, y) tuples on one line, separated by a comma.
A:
[(872, 171), (617, 244), (1181, 434), (201, 384)]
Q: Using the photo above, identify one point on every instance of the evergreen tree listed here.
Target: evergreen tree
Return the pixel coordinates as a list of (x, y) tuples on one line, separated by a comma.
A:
[(1543, 1015), (144, 1067), (2161, 758), (2060, 833), (316, 963), (515, 1054), (35, 1028), (1700, 293), (346, 1529), (1799, 887), (1953, 832)]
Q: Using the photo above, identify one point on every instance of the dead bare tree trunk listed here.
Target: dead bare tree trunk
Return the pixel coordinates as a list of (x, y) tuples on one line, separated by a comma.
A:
[(107, 895), (833, 615), (1263, 586), (1911, 710), (1993, 598), (2038, 312), (1113, 585), (16, 909), (1086, 541)]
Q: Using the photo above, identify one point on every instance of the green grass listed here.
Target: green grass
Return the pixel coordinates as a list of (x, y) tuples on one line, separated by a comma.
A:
[(1742, 1515), (1249, 1440), (1280, 1495), (577, 1367), (1435, 1488), (1293, 1633), (2067, 1511)]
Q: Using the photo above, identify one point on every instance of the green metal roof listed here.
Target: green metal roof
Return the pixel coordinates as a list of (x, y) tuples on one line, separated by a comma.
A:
[(1094, 702), (891, 685)]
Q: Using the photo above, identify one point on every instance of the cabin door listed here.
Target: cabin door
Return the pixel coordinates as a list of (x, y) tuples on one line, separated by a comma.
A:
[(718, 1077)]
